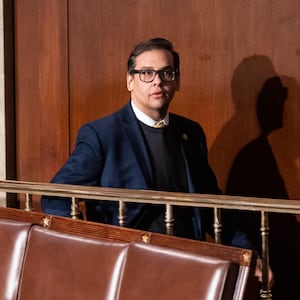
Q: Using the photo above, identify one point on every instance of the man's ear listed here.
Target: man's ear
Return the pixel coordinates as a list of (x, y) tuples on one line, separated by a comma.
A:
[(129, 79)]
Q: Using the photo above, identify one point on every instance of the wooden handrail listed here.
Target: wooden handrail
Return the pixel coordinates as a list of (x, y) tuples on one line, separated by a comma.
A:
[(217, 202)]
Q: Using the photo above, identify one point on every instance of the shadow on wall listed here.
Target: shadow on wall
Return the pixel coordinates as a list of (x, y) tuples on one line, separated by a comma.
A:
[(252, 170), (247, 80), (288, 138)]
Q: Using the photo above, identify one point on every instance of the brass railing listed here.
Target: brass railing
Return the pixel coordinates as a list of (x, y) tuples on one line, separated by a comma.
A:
[(217, 202)]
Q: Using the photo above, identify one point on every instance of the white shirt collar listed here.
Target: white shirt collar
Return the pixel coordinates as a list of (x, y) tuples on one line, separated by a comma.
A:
[(146, 119)]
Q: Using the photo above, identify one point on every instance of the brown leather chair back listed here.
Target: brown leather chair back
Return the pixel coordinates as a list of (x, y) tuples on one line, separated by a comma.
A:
[(153, 272), (64, 266), (13, 239)]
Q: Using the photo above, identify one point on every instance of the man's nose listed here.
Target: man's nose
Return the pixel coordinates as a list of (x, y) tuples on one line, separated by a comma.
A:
[(157, 79)]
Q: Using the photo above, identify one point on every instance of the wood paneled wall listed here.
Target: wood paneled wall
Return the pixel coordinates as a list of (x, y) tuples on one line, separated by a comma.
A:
[(42, 88), (71, 64)]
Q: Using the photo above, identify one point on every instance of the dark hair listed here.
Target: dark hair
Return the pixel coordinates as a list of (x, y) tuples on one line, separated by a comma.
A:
[(153, 44)]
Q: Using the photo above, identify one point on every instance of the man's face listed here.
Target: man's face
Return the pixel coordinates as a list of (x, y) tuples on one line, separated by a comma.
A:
[(152, 98)]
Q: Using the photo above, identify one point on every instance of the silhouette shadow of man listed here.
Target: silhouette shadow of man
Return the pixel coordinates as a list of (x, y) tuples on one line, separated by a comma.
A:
[(247, 80), (255, 172)]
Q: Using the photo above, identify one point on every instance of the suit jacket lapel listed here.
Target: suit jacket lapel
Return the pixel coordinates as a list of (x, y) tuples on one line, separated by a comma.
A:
[(134, 134), (184, 140)]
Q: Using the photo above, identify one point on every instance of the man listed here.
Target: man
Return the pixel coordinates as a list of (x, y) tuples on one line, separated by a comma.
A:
[(126, 150), (143, 146)]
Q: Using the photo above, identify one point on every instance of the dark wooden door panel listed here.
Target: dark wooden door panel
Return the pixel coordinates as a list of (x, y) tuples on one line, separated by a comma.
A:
[(42, 97)]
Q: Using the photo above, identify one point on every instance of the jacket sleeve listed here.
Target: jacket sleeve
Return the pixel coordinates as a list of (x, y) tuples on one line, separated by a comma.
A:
[(83, 167)]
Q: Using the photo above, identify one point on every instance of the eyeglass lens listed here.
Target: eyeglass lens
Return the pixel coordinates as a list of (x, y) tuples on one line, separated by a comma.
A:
[(149, 75)]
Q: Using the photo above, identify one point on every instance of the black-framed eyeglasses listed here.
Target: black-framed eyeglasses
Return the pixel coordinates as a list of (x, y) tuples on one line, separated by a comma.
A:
[(148, 75)]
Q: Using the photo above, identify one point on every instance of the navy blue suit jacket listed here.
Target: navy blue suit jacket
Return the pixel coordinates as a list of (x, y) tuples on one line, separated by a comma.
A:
[(111, 152)]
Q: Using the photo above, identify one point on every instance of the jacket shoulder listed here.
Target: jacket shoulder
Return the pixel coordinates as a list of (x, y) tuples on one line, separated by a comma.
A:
[(122, 115)]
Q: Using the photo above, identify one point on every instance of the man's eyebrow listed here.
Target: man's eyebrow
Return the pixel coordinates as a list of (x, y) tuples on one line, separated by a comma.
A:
[(151, 68), (146, 67)]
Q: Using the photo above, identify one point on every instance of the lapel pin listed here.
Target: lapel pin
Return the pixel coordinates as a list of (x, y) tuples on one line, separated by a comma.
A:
[(185, 137)]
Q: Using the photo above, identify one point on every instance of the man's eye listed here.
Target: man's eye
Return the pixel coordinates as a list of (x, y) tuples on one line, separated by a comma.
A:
[(147, 72)]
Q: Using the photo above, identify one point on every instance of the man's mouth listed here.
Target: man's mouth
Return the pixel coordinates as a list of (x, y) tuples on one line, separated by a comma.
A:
[(157, 94)]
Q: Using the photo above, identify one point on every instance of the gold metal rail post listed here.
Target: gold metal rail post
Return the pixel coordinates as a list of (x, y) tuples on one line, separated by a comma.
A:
[(217, 225), (169, 220), (265, 292)]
